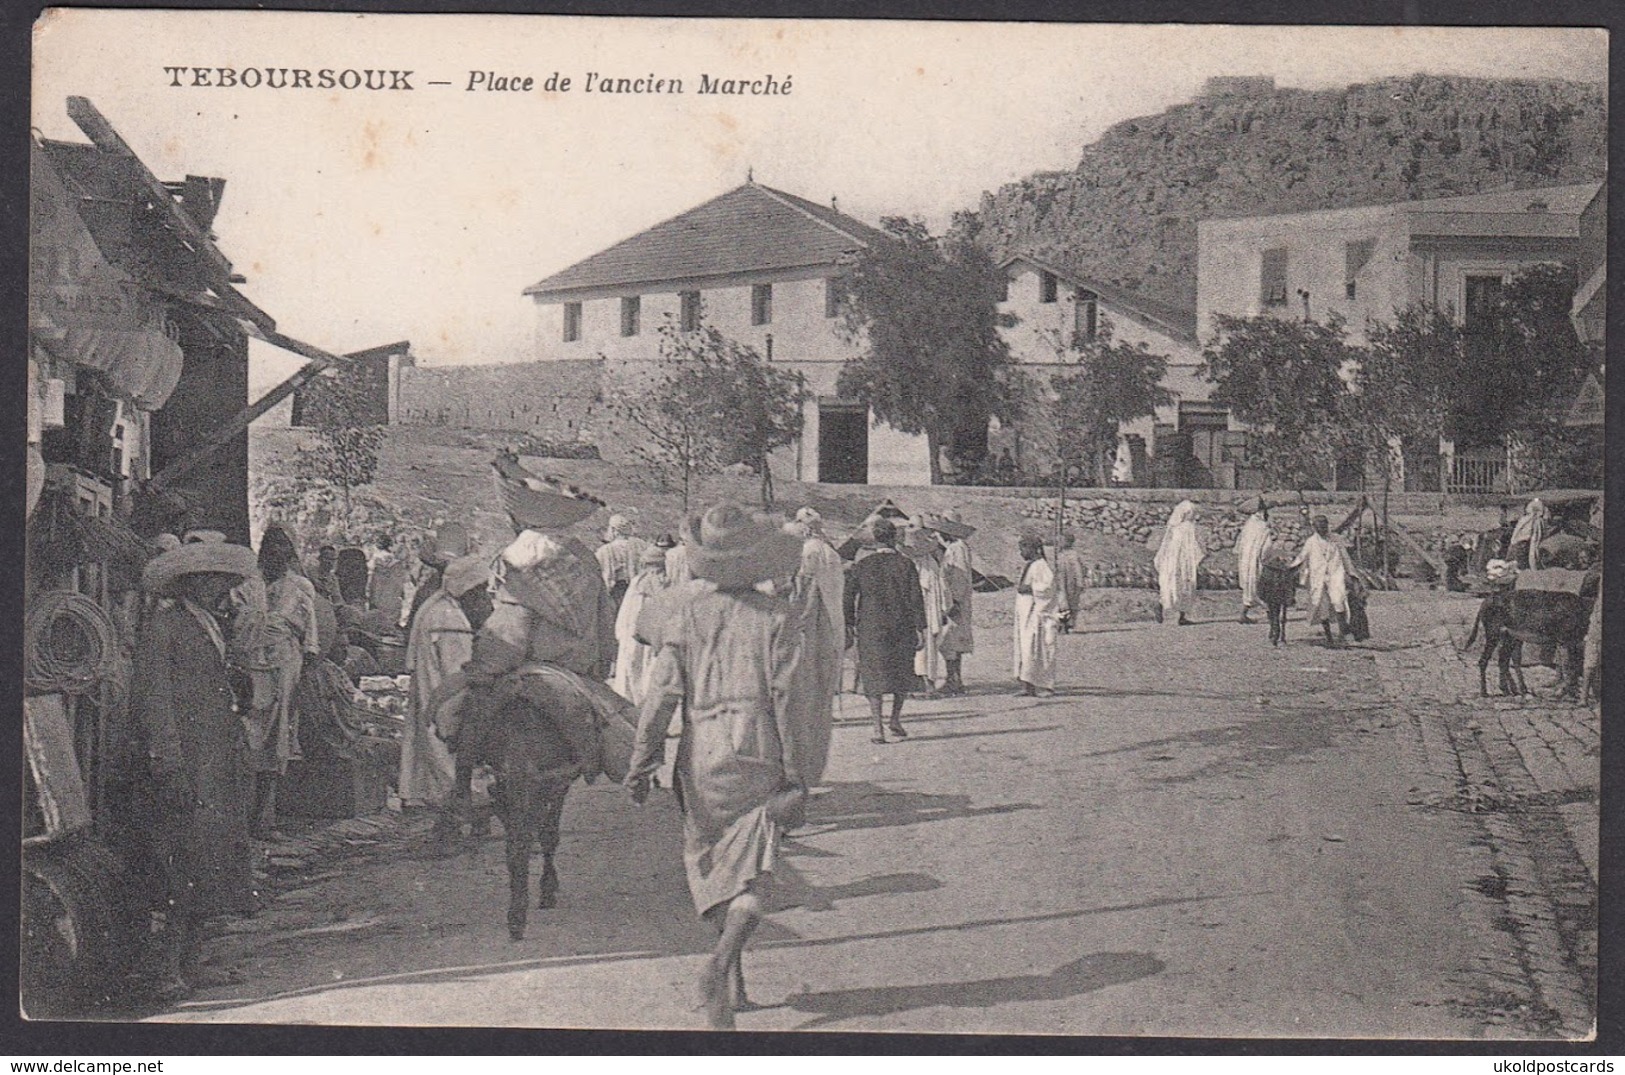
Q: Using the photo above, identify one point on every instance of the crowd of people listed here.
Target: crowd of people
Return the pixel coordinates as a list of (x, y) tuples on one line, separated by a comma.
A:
[(738, 628)]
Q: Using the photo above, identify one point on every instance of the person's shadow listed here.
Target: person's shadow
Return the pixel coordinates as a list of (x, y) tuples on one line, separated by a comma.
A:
[(1072, 979)]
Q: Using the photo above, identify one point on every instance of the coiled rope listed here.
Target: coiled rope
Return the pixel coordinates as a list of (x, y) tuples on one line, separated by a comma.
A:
[(70, 646)]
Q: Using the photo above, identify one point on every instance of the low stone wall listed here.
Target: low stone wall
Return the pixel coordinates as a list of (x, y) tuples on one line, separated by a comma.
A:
[(556, 401)]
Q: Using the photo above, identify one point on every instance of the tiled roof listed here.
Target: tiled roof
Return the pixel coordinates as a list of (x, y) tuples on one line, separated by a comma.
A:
[(751, 228), (1166, 317)]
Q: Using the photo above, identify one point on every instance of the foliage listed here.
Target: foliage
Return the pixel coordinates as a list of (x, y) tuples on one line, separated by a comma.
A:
[(1509, 376), (1524, 360), (925, 314), (347, 442), (1115, 382), (711, 402), (1286, 379)]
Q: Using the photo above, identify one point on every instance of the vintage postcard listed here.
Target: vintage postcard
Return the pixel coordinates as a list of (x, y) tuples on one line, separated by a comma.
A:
[(814, 525)]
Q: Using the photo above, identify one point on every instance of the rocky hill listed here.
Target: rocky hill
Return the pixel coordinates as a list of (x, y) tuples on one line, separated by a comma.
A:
[(1128, 212)]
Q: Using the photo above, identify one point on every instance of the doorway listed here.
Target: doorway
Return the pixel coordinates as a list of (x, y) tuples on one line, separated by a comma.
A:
[(843, 443)]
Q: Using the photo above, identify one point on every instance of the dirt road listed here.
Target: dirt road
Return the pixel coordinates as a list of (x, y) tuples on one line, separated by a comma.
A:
[(1198, 836)]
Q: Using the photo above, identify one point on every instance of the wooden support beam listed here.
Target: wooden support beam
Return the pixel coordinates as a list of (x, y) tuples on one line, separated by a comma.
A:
[(1437, 562), (105, 138), (319, 360)]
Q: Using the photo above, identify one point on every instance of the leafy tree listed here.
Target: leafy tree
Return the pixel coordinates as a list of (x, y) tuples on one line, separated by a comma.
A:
[(347, 436), (1115, 382), (710, 402), (1286, 379), (1506, 377), (925, 312), (755, 408)]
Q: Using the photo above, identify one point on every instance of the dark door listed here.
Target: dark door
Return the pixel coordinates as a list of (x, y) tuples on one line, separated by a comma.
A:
[(843, 445)]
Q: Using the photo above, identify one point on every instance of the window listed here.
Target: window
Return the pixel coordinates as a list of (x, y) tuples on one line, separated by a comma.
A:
[(1480, 294), (1272, 277), (832, 296), (1355, 255), (572, 322), (631, 311), (689, 312), (1004, 288), (1046, 287), (761, 304), (1085, 314)]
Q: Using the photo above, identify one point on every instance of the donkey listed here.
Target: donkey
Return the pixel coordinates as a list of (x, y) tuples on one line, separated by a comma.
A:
[(1277, 586), (1538, 617), (535, 766)]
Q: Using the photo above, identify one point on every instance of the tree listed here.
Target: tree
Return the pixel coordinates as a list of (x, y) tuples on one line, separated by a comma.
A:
[(710, 402), (1286, 379), (1506, 377), (755, 408), (347, 443), (925, 313), (1115, 382)]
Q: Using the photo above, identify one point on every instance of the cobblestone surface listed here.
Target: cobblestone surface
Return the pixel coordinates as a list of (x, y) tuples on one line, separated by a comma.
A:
[(1528, 771)]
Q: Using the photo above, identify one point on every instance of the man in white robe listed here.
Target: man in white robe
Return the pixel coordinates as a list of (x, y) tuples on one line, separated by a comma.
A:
[(1325, 562), (441, 642), (924, 549), (632, 654), (823, 578), (1178, 557), (1251, 545), (1040, 604)]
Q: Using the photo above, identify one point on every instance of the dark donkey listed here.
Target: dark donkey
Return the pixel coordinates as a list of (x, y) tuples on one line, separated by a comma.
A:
[(538, 734), (1537, 617), (1277, 588)]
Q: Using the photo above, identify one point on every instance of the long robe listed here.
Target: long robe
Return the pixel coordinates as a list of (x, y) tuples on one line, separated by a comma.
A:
[(184, 722), (632, 656), (1070, 574), (441, 642), (1178, 558), (885, 608), (1325, 564), (937, 601), (960, 636), (735, 661), (677, 572), (1529, 533), (1251, 545), (1037, 626), (822, 579), (290, 622)]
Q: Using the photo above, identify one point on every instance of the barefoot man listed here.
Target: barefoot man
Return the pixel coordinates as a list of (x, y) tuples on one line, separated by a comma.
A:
[(732, 656)]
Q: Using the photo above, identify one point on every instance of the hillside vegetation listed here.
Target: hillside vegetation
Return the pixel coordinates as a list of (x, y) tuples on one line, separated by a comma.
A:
[(1128, 213)]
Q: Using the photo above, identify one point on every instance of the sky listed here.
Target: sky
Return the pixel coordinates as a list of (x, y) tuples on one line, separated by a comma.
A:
[(361, 218)]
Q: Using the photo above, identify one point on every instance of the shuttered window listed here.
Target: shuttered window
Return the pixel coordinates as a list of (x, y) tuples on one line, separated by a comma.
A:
[(761, 304), (1046, 287), (689, 314), (631, 315), (1272, 277), (572, 322), (1355, 256), (1085, 314)]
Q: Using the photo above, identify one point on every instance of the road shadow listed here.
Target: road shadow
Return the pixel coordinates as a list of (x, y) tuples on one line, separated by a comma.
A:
[(865, 805), (977, 735), (792, 889), (1080, 976)]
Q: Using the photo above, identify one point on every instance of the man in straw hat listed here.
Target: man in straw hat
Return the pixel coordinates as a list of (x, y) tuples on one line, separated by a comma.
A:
[(183, 768), (1251, 546), (885, 621), (959, 573), (441, 642), (754, 737)]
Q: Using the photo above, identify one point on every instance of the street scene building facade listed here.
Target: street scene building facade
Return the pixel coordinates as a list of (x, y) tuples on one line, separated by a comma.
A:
[(625, 664)]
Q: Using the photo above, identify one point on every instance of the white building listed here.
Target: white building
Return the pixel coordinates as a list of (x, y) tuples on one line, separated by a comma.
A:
[(757, 264)]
